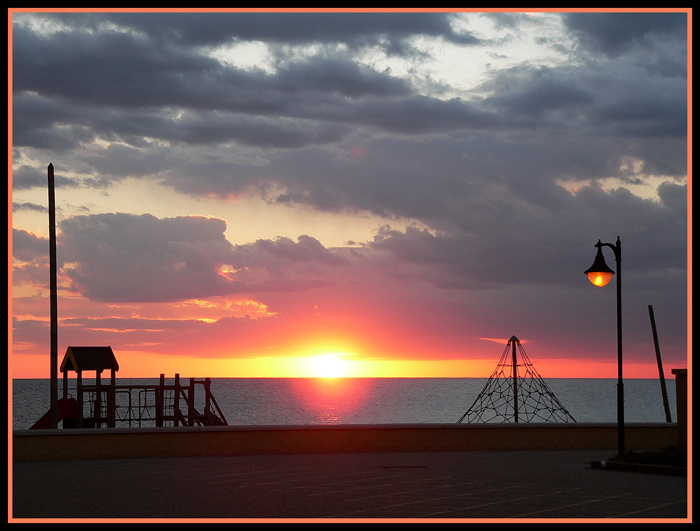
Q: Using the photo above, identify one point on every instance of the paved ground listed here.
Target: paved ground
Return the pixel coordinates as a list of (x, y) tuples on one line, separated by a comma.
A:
[(524, 485)]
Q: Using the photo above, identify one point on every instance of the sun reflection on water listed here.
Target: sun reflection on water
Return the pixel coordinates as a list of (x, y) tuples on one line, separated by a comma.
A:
[(332, 400)]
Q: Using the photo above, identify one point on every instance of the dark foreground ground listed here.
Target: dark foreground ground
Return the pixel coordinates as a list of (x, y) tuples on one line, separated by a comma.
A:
[(523, 485)]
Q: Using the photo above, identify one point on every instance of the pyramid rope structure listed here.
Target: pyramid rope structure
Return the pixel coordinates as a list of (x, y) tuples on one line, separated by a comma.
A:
[(515, 376)]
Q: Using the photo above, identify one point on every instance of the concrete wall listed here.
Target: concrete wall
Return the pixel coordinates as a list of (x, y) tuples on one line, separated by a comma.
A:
[(37, 445), (682, 407)]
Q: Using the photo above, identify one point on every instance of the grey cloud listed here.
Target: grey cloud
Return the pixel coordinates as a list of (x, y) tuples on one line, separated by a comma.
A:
[(535, 93), (119, 257), (129, 258), (30, 257), (117, 161), (296, 28), (28, 206), (539, 247), (282, 133), (460, 179), (327, 75), (657, 108), (101, 81), (27, 246), (26, 177), (674, 197), (108, 68), (194, 99), (33, 114), (285, 265), (622, 101), (615, 33), (421, 114), (45, 123), (272, 253), (482, 172)]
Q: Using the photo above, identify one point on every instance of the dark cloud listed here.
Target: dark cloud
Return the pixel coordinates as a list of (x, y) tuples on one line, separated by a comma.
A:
[(27, 246), (26, 177), (129, 258), (117, 95), (357, 29), (106, 68), (30, 259), (119, 257), (28, 206), (90, 86), (615, 33), (538, 93), (110, 68), (570, 99), (464, 259), (193, 99), (675, 198)]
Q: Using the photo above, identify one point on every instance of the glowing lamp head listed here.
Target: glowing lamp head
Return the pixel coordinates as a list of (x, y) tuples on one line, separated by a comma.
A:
[(599, 279), (599, 273)]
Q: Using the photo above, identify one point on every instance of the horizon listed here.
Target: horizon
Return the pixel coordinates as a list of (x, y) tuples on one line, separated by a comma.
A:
[(350, 194), (305, 369), (612, 378)]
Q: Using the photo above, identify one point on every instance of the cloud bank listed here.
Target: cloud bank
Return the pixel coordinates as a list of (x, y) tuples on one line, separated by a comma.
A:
[(494, 168)]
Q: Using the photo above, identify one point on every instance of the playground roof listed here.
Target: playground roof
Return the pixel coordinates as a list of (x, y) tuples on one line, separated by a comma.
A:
[(89, 359)]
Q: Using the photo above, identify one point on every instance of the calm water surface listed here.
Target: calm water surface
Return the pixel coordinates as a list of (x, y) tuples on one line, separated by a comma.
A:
[(303, 401)]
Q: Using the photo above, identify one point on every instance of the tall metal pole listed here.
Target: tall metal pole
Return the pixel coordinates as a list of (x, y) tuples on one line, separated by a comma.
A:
[(53, 287), (515, 380), (600, 263), (620, 388)]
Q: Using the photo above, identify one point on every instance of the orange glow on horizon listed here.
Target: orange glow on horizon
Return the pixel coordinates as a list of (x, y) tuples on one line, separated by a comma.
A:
[(134, 364), (330, 366)]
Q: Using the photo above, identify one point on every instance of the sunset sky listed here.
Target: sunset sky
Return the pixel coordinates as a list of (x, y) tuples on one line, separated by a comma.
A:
[(356, 194)]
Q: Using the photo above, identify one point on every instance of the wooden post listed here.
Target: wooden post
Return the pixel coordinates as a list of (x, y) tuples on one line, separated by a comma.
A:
[(176, 400), (111, 402), (98, 399), (207, 394), (54, 301), (190, 404), (79, 392), (160, 393)]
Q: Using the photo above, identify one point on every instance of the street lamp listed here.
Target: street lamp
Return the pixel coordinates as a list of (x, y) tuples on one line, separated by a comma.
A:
[(600, 274)]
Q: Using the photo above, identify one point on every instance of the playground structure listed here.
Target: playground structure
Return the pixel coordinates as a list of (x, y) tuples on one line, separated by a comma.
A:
[(108, 405), (97, 404), (515, 392)]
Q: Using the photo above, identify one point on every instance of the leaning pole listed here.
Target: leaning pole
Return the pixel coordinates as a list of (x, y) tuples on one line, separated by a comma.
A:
[(54, 301)]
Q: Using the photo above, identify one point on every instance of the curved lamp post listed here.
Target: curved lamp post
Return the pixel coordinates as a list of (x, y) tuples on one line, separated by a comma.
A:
[(600, 274)]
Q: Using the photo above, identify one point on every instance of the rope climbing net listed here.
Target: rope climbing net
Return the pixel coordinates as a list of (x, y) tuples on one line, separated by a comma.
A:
[(515, 392)]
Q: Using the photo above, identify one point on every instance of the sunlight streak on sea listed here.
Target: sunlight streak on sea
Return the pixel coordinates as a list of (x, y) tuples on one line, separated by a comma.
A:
[(304, 401)]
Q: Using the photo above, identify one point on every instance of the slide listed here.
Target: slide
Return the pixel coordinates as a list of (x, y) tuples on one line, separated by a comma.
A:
[(67, 409)]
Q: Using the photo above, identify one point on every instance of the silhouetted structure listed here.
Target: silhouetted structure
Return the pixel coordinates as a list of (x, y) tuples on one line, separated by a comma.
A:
[(159, 404), (110, 405), (103, 403), (515, 392), (53, 295)]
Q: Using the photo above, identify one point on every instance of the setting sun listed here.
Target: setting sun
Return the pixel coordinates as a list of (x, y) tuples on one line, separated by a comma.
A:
[(330, 366)]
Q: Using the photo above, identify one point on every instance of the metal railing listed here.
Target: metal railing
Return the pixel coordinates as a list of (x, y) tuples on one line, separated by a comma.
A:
[(146, 405)]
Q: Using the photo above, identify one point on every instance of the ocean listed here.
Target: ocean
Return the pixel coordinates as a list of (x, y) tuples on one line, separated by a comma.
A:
[(305, 401)]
